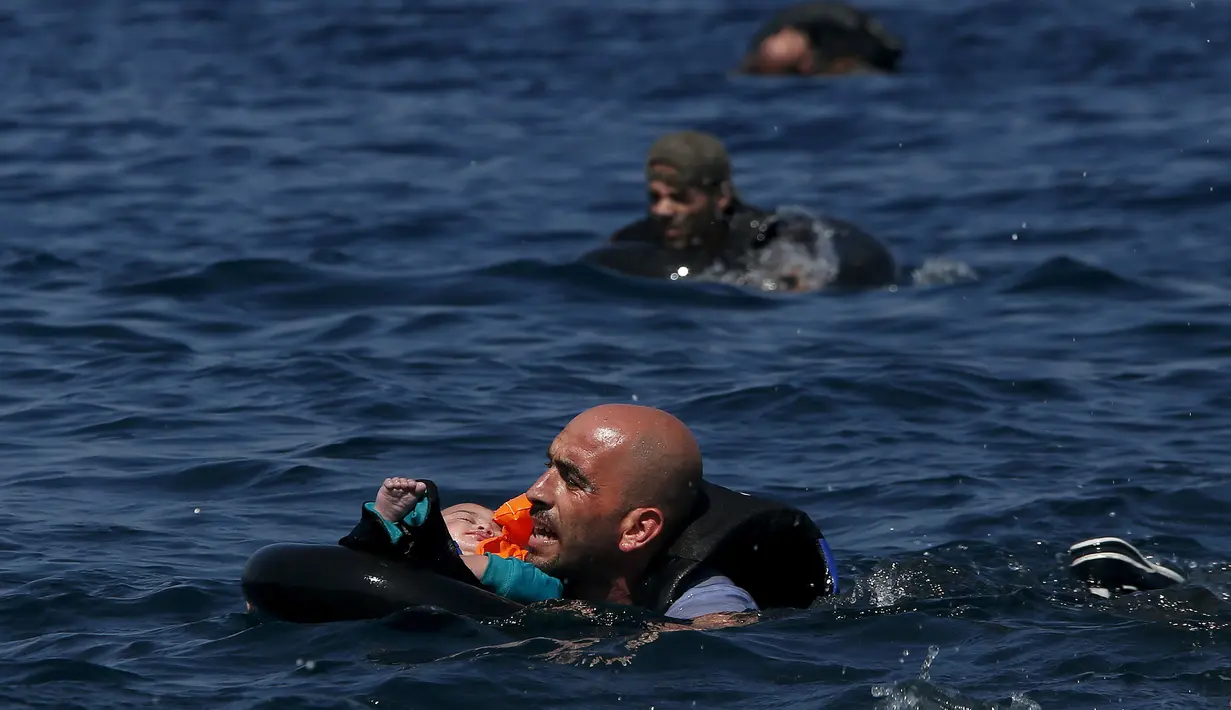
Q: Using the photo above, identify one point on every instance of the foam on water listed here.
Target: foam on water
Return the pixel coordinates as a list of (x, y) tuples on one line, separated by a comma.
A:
[(790, 265)]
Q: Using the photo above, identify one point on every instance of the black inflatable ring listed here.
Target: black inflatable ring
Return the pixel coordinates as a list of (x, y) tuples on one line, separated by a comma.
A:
[(320, 583)]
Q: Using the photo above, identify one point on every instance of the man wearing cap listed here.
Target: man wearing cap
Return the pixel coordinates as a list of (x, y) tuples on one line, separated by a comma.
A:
[(815, 38), (697, 222)]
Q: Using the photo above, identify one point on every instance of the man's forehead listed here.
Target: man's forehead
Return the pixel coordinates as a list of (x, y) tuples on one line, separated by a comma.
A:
[(669, 177), (608, 436), (588, 437)]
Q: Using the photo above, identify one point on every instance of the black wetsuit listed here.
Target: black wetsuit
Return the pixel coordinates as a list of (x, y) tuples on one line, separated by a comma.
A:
[(636, 249), (836, 30)]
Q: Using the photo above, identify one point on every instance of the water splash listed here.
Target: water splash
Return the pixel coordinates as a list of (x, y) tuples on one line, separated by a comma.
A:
[(939, 271), (920, 694), (783, 264), (811, 265)]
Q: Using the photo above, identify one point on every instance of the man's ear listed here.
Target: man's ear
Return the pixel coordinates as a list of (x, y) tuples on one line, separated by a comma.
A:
[(640, 527)]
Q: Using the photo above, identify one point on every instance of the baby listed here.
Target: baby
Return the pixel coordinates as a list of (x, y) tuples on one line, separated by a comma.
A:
[(403, 505), (469, 523)]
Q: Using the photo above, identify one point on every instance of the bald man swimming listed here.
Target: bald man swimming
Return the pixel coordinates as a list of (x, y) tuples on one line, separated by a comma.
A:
[(620, 486)]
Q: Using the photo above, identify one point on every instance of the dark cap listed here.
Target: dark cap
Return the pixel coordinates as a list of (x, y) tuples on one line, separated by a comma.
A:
[(699, 159)]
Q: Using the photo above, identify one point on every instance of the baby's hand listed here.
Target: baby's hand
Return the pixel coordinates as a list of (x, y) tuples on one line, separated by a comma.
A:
[(398, 496)]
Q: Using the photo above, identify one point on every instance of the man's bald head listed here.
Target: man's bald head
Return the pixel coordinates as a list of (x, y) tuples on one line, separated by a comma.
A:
[(621, 478), (660, 461), (665, 469)]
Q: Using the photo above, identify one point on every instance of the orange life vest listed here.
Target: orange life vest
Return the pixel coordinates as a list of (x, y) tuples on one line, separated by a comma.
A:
[(514, 518)]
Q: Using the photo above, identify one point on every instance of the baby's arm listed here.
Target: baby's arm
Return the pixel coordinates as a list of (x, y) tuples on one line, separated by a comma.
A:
[(477, 564), (513, 579), (400, 503)]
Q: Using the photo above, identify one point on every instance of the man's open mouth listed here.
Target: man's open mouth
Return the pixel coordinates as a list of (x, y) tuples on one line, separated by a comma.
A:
[(542, 533)]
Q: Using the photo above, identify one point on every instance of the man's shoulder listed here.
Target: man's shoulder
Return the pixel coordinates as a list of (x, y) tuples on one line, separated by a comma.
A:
[(751, 227), (851, 241), (641, 230), (712, 593)]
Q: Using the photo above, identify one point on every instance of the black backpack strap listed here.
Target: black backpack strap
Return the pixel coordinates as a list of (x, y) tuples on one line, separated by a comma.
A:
[(773, 551)]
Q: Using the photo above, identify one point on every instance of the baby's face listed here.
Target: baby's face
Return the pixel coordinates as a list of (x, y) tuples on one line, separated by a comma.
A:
[(469, 524)]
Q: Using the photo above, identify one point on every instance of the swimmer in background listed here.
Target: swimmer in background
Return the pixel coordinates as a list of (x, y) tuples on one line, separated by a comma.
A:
[(490, 552), (822, 38), (697, 222)]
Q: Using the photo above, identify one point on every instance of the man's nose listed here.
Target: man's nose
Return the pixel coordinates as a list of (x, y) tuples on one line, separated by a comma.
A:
[(662, 208), (539, 494)]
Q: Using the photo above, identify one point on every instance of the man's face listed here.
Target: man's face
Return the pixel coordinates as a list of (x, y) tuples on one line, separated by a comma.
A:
[(787, 52), (791, 52), (577, 504), (683, 214)]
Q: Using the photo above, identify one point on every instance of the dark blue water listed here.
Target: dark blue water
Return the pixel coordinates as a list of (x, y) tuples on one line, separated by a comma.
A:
[(258, 255)]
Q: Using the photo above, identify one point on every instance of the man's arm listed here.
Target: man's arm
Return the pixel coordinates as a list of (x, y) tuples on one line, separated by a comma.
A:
[(713, 595), (864, 261), (861, 260)]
